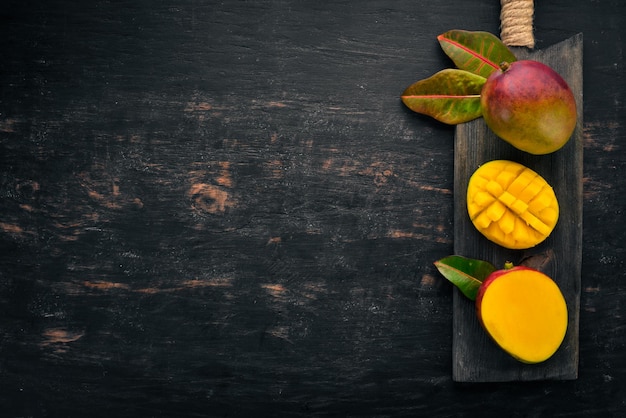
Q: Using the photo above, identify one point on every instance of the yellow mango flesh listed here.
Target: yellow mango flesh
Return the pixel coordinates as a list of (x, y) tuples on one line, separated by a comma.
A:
[(511, 205), (525, 313)]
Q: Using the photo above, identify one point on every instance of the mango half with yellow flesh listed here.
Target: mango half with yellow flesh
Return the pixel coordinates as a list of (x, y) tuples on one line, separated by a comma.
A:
[(522, 309), (524, 312), (511, 204)]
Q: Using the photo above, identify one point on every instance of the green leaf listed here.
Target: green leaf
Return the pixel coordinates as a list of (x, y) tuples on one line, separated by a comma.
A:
[(465, 273), (451, 96), (477, 52)]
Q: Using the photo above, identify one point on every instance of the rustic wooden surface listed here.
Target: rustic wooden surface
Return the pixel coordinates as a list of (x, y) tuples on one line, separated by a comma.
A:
[(223, 209), (475, 357)]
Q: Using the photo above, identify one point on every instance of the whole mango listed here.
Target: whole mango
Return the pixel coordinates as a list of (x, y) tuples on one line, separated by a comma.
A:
[(530, 106)]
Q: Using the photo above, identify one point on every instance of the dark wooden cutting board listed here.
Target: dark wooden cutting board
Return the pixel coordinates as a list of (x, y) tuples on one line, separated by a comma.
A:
[(475, 357)]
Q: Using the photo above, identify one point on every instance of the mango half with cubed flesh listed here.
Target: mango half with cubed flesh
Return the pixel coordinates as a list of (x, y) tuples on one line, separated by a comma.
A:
[(511, 205), (524, 312)]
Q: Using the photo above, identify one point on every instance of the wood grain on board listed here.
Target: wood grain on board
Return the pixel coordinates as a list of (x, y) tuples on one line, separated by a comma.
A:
[(475, 357)]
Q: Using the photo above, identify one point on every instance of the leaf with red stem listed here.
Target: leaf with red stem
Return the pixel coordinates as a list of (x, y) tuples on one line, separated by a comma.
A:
[(451, 96), (477, 52)]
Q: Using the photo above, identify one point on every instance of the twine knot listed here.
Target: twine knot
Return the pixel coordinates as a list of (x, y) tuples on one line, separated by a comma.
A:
[(516, 23)]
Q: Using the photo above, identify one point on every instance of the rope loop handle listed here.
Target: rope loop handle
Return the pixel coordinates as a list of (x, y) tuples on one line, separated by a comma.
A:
[(516, 22)]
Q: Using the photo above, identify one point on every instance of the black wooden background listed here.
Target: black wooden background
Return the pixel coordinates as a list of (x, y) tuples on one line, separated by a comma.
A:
[(222, 208)]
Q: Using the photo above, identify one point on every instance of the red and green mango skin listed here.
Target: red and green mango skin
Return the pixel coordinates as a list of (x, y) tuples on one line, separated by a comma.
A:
[(530, 106)]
